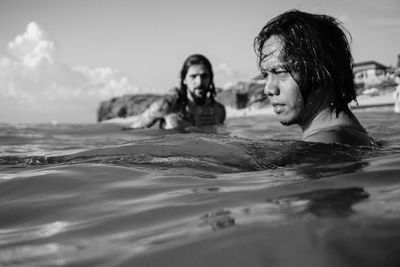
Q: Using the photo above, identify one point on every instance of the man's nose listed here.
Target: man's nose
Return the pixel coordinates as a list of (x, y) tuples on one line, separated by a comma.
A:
[(271, 87), (198, 80)]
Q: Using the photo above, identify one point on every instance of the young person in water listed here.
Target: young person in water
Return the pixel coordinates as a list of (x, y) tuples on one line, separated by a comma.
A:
[(308, 67), (192, 104)]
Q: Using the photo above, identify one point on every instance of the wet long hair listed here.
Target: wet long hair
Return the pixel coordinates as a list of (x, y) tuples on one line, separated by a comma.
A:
[(195, 59), (316, 52)]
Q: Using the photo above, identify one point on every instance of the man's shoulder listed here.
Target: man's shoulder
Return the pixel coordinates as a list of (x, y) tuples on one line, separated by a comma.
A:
[(220, 111), (219, 105)]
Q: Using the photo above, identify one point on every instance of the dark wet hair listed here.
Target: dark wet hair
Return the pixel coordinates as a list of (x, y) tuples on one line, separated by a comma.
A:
[(317, 50), (195, 59)]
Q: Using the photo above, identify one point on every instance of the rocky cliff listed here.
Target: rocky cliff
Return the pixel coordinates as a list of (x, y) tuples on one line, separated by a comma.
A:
[(124, 106), (241, 95)]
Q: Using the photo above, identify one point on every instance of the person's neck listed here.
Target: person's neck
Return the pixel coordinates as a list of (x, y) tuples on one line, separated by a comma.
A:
[(325, 119)]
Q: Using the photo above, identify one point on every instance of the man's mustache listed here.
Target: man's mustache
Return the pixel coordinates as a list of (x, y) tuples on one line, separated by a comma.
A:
[(203, 88)]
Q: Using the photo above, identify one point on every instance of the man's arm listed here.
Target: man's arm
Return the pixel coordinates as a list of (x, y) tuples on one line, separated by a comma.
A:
[(152, 114)]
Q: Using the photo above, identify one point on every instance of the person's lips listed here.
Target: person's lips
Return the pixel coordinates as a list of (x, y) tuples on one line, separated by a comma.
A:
[(200, 91), (278, 107)]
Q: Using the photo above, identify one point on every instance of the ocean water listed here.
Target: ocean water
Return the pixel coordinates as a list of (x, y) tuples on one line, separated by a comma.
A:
[(248, 193)]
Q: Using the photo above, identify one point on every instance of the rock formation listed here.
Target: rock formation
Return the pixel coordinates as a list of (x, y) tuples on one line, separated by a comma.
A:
[(124, 106), (244, 94)]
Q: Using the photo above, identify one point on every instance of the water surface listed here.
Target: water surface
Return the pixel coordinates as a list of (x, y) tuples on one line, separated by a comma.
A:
[(245, 194)]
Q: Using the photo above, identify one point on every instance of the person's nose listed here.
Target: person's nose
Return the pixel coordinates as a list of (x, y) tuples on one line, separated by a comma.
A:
[(271, 86), (198, 80)]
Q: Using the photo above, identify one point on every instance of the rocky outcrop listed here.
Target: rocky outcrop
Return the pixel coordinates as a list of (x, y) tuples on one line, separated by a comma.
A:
[(244, 94), (239, 96), (124, 106)]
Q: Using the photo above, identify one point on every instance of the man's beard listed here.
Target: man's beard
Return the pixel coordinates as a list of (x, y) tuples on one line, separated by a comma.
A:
[(199, 100)]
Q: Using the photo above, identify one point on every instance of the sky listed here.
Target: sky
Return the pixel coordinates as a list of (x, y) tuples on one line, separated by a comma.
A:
[(60, 59)]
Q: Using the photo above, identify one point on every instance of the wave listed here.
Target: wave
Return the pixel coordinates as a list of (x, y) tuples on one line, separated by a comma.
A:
[(223, 154)]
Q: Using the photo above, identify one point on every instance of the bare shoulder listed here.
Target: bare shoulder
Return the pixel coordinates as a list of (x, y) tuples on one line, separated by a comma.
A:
[(341, 135), (324, 136), (219, 105), (220, 109)]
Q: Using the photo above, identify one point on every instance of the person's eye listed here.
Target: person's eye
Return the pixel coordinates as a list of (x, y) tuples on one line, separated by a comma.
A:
[(278, 71), (264, 75), (281, 74)]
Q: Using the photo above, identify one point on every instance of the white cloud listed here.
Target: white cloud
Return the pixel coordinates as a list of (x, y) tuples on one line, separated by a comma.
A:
[(35, 87), (223, 68), (225, 76), (32, 48)]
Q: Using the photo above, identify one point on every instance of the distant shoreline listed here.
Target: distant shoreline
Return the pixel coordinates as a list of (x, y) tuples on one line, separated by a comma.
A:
[(367, 101)]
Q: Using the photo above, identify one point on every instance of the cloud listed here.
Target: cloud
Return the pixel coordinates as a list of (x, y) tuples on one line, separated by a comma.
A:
[(36, 87), (32, 48), (226, 76), (225, 69)]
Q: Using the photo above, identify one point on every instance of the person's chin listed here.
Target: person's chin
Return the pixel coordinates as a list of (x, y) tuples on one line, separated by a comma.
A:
[(286, 121)]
